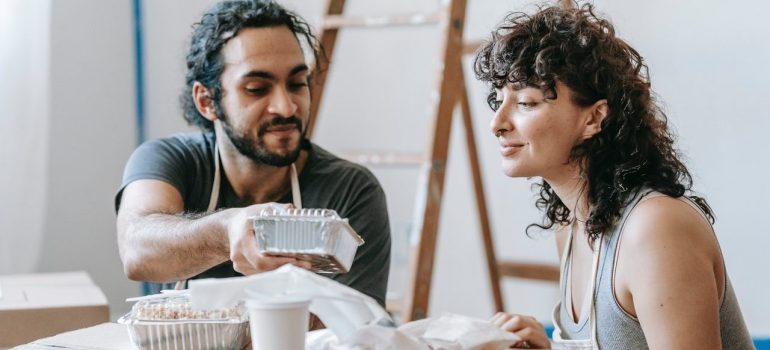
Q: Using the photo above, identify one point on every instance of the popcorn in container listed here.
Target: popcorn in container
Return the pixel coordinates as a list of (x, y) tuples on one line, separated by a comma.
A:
[(319, 236)]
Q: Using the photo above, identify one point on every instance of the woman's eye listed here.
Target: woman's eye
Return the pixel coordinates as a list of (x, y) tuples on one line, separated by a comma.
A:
[(527, 105), (495, 104)]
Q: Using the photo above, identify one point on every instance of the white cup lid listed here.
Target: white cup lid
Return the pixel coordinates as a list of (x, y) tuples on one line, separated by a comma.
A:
[(284, 302)]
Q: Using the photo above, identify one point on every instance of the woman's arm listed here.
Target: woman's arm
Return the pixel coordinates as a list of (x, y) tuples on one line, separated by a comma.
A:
[(669, 274)]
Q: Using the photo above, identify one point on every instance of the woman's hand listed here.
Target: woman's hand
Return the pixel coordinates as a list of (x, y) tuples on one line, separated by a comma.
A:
[(527, 328)]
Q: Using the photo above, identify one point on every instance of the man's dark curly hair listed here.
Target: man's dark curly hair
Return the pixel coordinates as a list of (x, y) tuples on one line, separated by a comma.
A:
[(220, 23), (634, 148)]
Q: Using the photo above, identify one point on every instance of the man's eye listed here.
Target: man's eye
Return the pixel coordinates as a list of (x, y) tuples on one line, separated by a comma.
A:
[(297, 86), (257, 90)]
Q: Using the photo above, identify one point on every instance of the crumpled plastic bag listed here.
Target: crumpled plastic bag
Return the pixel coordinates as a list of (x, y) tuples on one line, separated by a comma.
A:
[(341, 308), (448, 332)]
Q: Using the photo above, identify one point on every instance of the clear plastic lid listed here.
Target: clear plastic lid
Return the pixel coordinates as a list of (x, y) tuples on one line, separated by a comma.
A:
[(178, 308)]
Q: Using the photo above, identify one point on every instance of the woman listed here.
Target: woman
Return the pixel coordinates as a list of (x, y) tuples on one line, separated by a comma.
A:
[(641, 266)]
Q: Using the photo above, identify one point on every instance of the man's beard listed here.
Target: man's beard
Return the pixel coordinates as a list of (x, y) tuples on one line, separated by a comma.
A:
[(256, 150)]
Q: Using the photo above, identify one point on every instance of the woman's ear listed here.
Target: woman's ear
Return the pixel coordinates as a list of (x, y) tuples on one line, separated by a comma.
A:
[(203, 101), (597, 112)]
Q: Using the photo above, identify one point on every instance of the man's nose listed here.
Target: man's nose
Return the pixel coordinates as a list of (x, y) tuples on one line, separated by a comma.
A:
[(281, 103)]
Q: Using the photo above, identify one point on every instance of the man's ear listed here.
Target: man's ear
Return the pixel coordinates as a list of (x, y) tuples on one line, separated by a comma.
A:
[(593, 124), (203, 101)]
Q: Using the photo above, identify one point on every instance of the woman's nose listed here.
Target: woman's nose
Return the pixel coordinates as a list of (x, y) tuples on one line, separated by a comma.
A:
[(500, 122)]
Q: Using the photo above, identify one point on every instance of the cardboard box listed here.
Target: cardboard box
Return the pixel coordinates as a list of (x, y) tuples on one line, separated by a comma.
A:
[(106, 336), (41, 305)]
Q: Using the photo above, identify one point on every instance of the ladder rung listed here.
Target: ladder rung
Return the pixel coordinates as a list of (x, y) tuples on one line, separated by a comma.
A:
[(338, 21), (384, 158), (394, 305), (470, 48), (543, 272)]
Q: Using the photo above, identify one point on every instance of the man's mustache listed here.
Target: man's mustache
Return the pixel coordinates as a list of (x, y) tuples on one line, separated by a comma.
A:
[(276, 121)]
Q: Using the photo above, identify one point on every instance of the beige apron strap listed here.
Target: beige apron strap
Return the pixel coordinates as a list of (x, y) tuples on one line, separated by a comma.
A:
[(578, 344), (295, 193), (562, 267), (592, 318), (213, 200), (214, 197)]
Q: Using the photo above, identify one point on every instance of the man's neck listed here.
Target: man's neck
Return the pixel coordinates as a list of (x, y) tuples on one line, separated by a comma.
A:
[(253, 182)]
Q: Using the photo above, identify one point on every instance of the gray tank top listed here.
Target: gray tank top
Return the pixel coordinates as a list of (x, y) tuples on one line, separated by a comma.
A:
[(616, 329)]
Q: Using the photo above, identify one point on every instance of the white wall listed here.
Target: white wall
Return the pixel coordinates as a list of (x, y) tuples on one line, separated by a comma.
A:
[(713, 83), (91, 135), (24, 93)]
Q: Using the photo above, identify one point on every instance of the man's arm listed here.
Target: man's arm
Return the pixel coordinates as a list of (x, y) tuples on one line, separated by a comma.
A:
[(157, 243)]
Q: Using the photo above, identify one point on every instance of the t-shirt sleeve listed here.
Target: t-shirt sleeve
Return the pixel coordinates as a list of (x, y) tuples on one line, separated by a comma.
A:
[(366, 210), (162, 159)]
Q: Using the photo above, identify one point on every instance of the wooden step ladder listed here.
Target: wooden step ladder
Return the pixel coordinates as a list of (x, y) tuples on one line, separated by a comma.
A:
[(451, 92)]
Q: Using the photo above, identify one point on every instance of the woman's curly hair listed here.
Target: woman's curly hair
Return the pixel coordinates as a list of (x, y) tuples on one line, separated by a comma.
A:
[(634, 148), (222, 22)]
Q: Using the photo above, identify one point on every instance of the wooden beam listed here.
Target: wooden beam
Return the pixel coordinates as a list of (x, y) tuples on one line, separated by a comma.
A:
[(471, 47), (481, 202), (432, 176), (543, 272), (338, 21), (327, 40)]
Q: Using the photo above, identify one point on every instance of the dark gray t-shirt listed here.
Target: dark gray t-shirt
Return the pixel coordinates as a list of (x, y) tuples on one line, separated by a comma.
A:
[(186, 162)]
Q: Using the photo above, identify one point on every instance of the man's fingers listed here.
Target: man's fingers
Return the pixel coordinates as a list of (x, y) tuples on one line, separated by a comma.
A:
[(268, 263), (248, 248), (303, 264)]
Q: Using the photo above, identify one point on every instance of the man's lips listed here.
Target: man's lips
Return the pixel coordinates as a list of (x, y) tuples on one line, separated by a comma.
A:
[(282, 129)]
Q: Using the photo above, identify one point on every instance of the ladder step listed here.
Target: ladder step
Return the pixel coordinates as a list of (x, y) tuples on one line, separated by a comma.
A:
[(384, 158), (470, 48), (338, 21), (535, 271), (394, 305)]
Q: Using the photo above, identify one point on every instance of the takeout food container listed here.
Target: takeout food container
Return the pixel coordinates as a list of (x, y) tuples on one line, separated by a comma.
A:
[(319, 236), (170, 323)]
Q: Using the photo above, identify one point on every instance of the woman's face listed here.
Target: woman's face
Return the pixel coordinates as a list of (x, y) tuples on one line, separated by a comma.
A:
[(537, 134)]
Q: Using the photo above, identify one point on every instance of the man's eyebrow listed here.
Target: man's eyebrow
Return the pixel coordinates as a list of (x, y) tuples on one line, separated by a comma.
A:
[(270, 76), (259, 74), (298, 69)]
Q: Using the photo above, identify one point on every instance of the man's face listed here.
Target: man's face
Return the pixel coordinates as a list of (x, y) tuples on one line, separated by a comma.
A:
[(266, 99)]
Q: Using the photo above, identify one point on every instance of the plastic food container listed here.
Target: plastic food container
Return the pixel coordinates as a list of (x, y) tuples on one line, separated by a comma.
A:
[(170, 323), (319, 236)]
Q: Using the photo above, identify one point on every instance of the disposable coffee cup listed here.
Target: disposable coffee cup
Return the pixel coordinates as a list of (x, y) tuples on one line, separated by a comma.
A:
[(278, 324)]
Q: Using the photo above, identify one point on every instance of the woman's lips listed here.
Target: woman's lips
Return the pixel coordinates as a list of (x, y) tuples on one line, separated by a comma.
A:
[(509, 149)]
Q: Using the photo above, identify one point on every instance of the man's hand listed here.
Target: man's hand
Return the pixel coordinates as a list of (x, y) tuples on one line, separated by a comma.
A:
[(530, 331), (244, 254)]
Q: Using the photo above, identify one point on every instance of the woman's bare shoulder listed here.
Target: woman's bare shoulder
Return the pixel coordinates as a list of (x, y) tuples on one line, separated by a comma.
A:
[(663, 220)]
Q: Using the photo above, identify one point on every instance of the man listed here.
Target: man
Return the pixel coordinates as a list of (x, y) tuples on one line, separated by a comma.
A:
[(182, 214)]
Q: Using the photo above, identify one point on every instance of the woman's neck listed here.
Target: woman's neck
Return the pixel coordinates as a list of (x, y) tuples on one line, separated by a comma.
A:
[(571, 190)]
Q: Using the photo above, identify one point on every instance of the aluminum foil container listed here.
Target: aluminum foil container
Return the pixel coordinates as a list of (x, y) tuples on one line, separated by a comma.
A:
[(319, 236), (170, 323)]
